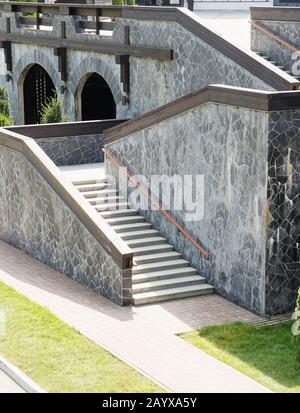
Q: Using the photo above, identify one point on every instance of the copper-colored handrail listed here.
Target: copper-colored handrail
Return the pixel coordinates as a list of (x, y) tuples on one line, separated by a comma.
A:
[(273, 36), (154, 202)]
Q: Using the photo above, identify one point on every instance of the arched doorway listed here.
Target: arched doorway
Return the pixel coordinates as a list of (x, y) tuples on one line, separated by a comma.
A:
[(97, 101), (38, 88)]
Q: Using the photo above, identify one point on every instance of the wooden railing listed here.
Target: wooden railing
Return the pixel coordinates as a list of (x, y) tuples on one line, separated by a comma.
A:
[(57, 130)]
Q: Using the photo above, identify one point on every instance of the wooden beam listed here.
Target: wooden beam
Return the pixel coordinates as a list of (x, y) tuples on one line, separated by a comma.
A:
[(123, 61), (61, 53), (116, 49)]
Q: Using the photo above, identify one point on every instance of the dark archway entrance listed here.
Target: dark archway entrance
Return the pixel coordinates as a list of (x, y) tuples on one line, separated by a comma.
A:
[(97, 101), (38, 89)]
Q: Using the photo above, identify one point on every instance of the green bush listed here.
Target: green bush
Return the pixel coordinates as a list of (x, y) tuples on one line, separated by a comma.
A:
[(5, 120), (4, 102), (123, 2), (52, 111), (4, 108)]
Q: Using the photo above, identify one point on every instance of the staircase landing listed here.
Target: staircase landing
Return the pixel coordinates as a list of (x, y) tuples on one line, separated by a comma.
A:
[(160, 273)]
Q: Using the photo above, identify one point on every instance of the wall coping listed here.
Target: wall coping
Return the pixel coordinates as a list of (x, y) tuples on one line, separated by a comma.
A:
[(58, 130), (274, 77), (103, 233), (289, 14), (227, 95)]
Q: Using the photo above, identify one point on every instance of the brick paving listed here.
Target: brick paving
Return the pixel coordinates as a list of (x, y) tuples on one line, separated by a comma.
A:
[(144, 337)]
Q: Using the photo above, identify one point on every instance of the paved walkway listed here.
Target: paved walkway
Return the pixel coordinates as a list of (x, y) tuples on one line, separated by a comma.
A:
[(7, 385), (144, 337)]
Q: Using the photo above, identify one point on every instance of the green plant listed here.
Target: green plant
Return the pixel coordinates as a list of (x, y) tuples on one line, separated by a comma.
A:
[(52, 111), (5, 120), (4, 103), (123, 2)]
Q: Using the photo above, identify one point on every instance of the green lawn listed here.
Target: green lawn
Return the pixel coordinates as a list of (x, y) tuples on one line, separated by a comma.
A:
[(266, 353), (56, 356)]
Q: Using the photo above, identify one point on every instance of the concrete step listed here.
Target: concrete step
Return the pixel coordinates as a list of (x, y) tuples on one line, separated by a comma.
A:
[(88, 181), (167, 283), (123, 213), (171, 294), (159, 272), (164, 274), (141, 242), (150, 249), (100, 193), (132, 227), (160, 256), (114, 206), (106, 199), (94, 187), (159, 266), (133, 219)]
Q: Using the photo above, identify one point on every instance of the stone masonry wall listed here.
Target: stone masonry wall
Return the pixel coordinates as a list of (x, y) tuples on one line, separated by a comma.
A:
[(283, 216), (73, 150), (152, 82), (228, 146), (34, 219), (282, 55)]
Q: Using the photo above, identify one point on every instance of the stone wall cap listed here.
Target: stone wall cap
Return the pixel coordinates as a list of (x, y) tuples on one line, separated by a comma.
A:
[(221, 94)]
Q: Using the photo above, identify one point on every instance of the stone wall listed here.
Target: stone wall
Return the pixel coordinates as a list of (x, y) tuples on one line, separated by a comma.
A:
[(35, 219), (152, 82), (282, 55), (228, 146), (283, 216), (73, 150)]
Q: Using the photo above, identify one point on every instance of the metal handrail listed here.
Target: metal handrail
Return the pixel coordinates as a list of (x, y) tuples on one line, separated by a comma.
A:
[(274, 36), (154, 202)]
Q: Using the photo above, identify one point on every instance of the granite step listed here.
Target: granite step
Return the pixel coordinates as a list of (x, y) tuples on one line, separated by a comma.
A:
[(167, 283), (163, 274), (167, 294)]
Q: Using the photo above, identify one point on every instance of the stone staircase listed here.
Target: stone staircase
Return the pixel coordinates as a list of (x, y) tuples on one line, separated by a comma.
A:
[(160, 273), (289, 72)]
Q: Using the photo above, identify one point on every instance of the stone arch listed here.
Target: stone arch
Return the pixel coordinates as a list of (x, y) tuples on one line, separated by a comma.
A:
[(24, 64), (81, 72), (94, 98)]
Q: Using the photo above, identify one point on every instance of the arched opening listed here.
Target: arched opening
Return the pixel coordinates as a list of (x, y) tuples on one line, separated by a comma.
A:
[(97, 101), (38, 88)]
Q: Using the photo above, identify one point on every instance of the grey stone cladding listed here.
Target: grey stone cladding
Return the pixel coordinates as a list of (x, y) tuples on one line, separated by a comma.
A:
[(282, 55), (228, 146), (250, 161), (152, 82), (283, 213), (73, 150), (34, 219)]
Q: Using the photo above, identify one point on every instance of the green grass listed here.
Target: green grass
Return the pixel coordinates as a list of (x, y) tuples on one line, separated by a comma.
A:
[(266, 353), (56, 356)]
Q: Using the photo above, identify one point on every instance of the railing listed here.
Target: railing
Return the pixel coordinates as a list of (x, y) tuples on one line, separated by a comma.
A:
[(154, 201), (56, 130), (41, 14), (274, 37)]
